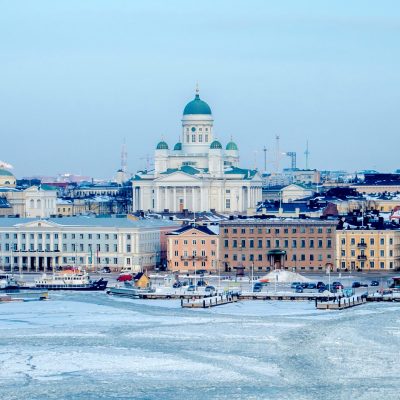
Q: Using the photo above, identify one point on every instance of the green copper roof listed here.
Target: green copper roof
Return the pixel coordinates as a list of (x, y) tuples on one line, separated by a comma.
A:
[(4, 172), (178, 146), (197, 106), (231, 146), (162, 146), (215, 145), (247, 173)]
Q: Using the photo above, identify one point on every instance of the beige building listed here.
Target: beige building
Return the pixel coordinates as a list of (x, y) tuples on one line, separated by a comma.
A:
[(295, 192), (33, 202), (192, 248), (368, 250)]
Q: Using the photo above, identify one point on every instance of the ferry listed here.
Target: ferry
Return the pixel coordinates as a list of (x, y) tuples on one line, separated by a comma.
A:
[(70, 280)]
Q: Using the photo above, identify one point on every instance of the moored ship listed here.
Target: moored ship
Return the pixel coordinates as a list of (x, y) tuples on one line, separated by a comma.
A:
[(70, 280)]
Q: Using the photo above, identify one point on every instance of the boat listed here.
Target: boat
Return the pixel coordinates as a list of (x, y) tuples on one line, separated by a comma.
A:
[(70, 280), (129, 290), (8, 282)]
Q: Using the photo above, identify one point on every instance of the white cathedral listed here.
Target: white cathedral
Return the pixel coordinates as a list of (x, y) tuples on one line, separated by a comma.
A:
[(197, 175)]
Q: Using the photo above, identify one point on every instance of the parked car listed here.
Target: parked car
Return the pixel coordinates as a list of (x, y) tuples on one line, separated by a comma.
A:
[(201, 283), (191, 288), (337, 285), (363, 284), (319, 284), (294, 285), (209, 289), (257, 287), (106, 270), (125, 278), (331, 288), (304, 285), (374, 283), (311, 286), (177, 285), (201, 271), (355, 285), (299, 289)]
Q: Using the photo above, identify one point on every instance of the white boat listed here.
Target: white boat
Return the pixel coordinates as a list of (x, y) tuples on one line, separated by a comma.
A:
[(70, 280), (128, 290), (8, 282)]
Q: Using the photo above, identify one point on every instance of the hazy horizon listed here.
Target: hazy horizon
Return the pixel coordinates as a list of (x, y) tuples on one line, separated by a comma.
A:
[(79, 77)]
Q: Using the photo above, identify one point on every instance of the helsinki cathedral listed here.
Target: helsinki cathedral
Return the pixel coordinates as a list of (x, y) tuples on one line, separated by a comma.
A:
[(197, 174)]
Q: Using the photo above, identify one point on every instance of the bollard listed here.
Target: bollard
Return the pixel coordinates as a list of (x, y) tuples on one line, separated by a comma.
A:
[(204, 304)]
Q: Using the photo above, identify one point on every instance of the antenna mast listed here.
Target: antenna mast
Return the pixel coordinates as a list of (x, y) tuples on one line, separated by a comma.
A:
[(265, 158), (277, 153), (307, 153), (124, 158)]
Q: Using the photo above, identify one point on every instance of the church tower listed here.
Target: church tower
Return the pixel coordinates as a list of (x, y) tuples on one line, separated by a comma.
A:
[(197, 126)]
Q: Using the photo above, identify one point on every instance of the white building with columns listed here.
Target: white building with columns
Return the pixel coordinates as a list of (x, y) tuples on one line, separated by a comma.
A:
[(197, 174)]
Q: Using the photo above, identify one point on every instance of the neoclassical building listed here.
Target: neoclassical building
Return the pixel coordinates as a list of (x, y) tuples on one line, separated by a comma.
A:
[(197, 174)]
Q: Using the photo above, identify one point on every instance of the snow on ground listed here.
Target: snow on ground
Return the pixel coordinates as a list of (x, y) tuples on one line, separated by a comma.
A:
[(92, 346)]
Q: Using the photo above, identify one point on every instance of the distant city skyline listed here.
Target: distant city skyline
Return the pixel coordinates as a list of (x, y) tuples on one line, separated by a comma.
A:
[(79, 77)]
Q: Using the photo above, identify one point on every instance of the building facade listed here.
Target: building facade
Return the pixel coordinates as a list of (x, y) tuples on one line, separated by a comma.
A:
[(33, 202), (193, 248), (198, 174), (368, 250), (293, 244), (84, 242)]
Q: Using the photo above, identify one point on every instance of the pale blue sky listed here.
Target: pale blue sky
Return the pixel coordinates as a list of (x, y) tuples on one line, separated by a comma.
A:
[(77, 76)]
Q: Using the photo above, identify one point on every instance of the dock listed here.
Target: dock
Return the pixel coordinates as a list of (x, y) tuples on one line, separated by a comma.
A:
[(341, 303), (208, 302)]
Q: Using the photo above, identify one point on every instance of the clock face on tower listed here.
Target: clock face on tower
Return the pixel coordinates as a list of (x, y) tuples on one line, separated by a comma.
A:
[(193, 129)]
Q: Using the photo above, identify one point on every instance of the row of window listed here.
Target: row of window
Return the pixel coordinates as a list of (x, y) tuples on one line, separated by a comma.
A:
[(371, 253), (294, 257), (363, 265), (194, 253), (194, 241), (371, 241), (200, 138), (277, 231), (250, 243), (106, 236), (73, 247)]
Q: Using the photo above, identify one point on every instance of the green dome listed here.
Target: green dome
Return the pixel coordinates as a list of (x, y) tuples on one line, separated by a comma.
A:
[(4, 172), (162, 146), (197, 106), (215, 145), (178, 146), (231, 146)]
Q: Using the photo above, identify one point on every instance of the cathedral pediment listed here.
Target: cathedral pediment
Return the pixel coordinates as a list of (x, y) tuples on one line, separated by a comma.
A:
[(177, 176)]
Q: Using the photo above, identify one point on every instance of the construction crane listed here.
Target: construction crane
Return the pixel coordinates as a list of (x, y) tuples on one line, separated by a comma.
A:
[(292, 155)]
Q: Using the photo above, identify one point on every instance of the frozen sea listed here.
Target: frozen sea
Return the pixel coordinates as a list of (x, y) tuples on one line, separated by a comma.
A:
[(92, 346)]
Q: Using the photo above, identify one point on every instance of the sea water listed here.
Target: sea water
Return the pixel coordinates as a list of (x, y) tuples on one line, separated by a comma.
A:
[(92, 346)]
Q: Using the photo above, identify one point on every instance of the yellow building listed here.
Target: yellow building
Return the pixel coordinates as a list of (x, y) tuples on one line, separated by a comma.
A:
[(368, 250)]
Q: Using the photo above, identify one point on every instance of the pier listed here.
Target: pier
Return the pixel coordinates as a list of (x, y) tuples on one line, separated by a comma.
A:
[(340, 303), (208, 302)]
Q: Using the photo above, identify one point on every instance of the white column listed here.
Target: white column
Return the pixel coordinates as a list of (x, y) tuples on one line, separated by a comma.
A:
[(248, 197), (175, 200), (193, 199), (184, 198), (157, 198)]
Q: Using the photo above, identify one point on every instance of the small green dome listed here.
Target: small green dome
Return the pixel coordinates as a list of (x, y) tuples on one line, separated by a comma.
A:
[(215, 145), (197, 106), (162, 146), (231, 146), (178, 146)]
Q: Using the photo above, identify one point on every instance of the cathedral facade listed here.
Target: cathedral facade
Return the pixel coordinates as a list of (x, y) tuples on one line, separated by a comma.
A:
[(197, 174)]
